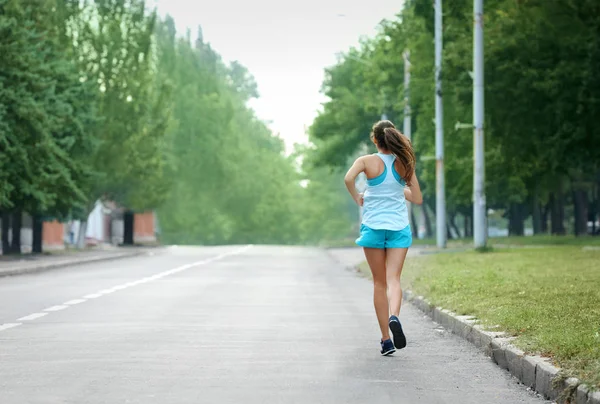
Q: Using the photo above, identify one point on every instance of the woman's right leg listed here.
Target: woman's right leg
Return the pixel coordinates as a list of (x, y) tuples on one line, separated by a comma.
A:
[(376, 259)]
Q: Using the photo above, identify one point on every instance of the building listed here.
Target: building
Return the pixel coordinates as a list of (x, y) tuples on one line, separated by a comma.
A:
[(104, 227)]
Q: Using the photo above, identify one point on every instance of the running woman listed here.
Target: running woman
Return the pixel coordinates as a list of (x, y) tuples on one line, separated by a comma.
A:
[(385, 231)]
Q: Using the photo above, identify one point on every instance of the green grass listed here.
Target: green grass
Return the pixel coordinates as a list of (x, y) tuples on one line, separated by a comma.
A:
[(549, 298), (517, 241), (538, 240), (546, 240)]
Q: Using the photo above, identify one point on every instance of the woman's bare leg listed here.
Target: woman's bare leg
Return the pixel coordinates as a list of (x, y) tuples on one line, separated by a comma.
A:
[(395, 262), (376, 259)]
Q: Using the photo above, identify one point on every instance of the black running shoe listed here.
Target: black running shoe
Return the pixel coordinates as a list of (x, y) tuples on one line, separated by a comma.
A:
[(387, 347), (396, 328)]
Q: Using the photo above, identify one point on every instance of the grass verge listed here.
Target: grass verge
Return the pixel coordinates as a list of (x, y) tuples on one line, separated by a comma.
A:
[(520, 241), (537, 240), (549, 298)]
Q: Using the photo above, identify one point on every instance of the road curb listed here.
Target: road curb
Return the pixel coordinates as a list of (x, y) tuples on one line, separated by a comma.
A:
[(534, 372), (63, 264)]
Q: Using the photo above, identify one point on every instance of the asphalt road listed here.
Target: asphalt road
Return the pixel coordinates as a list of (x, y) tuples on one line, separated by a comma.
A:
[(225, 325)]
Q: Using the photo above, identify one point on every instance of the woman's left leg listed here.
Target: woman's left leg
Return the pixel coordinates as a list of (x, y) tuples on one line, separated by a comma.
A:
[(395, 261)]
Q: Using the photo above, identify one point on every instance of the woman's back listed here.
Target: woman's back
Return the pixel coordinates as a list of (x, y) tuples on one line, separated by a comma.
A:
[(384, 203)]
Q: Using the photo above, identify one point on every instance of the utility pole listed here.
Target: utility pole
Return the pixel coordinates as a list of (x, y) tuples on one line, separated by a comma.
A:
[(440, 206), (407, 128), (479, 203)]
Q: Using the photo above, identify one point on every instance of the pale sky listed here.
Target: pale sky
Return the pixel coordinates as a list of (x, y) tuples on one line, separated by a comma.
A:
[(285, 45)]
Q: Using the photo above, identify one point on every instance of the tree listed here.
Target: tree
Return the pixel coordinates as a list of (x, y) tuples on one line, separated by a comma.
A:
[(113, 41), (541, 97), (234, 182), (44, 117)]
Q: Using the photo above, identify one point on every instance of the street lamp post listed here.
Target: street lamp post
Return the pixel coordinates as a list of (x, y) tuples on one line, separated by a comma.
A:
[(440, 208), (479, 203), (407, 123)]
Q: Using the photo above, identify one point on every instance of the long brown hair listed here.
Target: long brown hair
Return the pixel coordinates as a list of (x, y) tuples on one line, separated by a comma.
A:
[(389, 138)]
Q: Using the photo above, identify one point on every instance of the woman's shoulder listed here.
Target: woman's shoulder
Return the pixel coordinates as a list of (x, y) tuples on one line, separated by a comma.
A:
[(370, 157)]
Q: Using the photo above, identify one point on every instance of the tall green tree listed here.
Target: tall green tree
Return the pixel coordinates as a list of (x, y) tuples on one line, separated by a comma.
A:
[(114, 43), (43, 137), (233, 182), (541, 95)]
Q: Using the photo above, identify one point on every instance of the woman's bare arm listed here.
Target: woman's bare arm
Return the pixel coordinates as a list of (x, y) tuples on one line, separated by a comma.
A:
[(412, 193), (350, 179)]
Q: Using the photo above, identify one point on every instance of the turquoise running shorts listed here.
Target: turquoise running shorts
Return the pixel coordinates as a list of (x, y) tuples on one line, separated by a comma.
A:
[(372, 238)]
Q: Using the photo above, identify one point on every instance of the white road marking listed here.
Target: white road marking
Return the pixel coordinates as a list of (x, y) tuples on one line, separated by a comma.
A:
[(32, 316), (74, 302), (9, 325), (56, 308), (104, 292), (132, 284)]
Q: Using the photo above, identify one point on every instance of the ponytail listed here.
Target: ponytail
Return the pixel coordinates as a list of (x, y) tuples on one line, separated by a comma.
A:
[(401, 148)]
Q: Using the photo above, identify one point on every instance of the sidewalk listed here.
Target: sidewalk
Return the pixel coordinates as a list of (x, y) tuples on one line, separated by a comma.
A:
[(537, 373), (36, 263)]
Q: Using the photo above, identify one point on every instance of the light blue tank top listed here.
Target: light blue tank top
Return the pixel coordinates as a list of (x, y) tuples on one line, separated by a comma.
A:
[(384, 206)]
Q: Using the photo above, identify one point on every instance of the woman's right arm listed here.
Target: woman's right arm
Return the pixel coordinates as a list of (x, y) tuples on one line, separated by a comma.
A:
[(412, 193)]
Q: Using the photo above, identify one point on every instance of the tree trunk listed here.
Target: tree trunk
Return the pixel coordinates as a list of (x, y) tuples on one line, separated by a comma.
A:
[(592, 217), (557, 213), (516, 220), (580, 204), (128, 219), (81, 234), (5, 231), (596, 214), (448, 232), (594, 207), (453, 224), (466, 226), (428, 229), (536, 210), (470, 216), (17, 220), (413, 223), (38, 229), (544, 220)]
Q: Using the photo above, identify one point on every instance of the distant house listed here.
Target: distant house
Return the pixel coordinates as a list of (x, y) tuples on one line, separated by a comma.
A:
[(104, 226)]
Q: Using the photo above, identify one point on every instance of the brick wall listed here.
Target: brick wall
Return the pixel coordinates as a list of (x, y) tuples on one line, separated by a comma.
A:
[(143, 227), (52, 235)]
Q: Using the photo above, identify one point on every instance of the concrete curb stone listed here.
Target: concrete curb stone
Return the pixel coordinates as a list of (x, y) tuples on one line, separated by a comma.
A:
[(581, 396), (593, 397), (499, 353), (533, 371), (568, 390), (462, 326), (544, 374), (529, 366), (62, 264), (514, 357), (424, 306)]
